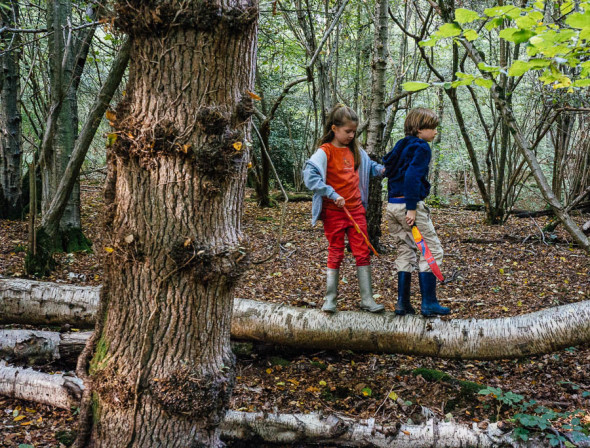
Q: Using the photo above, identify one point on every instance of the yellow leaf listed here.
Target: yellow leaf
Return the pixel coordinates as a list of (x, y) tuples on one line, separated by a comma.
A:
[(185, 148), (40, 419), (501, 271), (188, 242), (254, 96), (30, 410), (519, 303), (504, 308), (393, 396), (19, 418), (237, 146), (322, 383), (130, 135), (250, 165), (111, 116), (269, 371), (26, 423), (109, 250), (111, 139)]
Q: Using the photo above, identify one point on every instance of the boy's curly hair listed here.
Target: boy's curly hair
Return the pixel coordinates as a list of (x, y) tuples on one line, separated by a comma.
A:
[(420, 118)]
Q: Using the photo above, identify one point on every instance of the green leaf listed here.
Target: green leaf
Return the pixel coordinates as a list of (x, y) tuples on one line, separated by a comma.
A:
[(526, 22), (428, 43), (414, 86), (463, 15), (494, 23), (582, 83), (470, 35), (487, 68), (499, 11), (367, 392), (539, 63), (579, 20), (482, 82), (449, 30), (519, 68), (516, 35), (566, 7)]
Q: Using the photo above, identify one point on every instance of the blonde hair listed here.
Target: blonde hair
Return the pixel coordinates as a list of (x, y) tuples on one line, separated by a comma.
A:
[(420, 118), (339, 116)]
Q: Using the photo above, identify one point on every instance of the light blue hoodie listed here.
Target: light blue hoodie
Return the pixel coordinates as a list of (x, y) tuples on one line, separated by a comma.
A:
[(314, 177)]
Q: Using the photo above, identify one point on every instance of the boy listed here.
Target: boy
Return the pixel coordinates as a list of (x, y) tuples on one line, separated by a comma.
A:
[(406, 166)]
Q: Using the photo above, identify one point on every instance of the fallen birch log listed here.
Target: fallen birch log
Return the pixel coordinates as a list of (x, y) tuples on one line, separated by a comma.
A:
[(41, 347), (44, 303), (65, 391), (336, 430), (59, 390), (510, 337)]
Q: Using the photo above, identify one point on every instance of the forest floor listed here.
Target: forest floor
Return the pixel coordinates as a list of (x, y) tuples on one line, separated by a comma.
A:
[(500, 271)]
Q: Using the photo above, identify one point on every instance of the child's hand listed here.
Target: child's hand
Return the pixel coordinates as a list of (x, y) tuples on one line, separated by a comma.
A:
[(410, 217), (339, 202)]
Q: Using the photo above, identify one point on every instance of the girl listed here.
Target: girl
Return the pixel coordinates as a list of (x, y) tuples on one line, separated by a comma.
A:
[(338, 174)]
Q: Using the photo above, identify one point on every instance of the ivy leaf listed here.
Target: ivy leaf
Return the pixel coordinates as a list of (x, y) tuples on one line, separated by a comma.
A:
[(414, 86), (463, 15), (449, 30)]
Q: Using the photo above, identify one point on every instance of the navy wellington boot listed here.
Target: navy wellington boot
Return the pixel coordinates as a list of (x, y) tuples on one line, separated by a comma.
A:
[(403, 306), (430, 305)]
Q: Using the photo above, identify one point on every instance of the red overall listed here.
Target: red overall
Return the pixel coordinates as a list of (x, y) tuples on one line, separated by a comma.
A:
[(342, 176)]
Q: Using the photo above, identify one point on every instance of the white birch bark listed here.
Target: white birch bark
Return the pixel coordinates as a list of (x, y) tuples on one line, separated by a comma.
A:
[(510, 337), (64, 392), (60, 390), (41, 346), (33, 302), (341, 431)]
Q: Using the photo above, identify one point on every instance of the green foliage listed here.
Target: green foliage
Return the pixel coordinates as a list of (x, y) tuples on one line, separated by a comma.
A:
[(554, 47), (537, 420), (413, 86)]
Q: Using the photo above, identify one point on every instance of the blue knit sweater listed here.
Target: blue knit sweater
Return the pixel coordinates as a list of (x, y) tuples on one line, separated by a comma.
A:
[(406, 166)]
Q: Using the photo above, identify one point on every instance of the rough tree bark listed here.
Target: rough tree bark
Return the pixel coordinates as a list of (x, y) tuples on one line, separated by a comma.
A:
[(377, 117), (11, 204), (162, 370), (512, 337), (63, 391)]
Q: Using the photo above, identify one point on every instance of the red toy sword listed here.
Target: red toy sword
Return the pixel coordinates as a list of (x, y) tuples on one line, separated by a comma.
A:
[(426, 253), (358, 229)]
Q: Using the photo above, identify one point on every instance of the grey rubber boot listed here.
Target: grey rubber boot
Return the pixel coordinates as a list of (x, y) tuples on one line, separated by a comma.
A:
[(367, 301), (332, 279)]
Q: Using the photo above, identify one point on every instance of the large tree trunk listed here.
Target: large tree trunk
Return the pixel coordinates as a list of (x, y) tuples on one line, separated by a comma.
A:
[(64, 392), (11, 201), (511, 337), (162, 370)]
